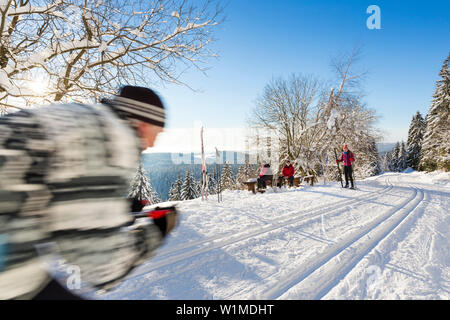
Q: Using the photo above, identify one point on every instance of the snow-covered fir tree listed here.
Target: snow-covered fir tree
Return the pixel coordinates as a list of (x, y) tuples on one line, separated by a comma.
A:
[(141, 188), (189, 190), (212, 184), (414, 142), (395, 157), (226, 179), (399, 157), (435, 152), (369, 159), (175, 190), (198, 186), (241, 176), (386, 162), (178, 188), (246, 171), (173, 193), (401, 161)]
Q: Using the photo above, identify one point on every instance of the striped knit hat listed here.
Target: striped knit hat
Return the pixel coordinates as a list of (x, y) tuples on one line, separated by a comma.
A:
[(141, 104)]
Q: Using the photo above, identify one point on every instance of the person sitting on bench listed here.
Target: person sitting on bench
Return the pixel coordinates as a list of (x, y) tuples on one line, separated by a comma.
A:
[(287, 173), (265, 174)]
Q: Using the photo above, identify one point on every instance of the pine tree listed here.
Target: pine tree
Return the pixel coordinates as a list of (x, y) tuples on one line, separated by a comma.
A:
[(241, 176), (414, 142), (175, 190), (226, 179), (401, 161), (212, 185), (179, 186), (198, 186), (371, 165), (173, 193), (395, 157), (436, 140), (141, 188), (189, 189), (245, 172), (386, 162)]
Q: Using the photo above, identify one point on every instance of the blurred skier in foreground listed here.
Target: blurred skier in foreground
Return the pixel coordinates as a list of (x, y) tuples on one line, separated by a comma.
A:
[(64, 174)]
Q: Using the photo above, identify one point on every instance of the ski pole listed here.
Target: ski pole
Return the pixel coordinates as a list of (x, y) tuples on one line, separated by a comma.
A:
[(339, 169)]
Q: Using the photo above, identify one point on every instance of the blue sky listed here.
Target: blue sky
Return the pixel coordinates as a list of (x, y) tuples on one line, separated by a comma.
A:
[(262, 39)]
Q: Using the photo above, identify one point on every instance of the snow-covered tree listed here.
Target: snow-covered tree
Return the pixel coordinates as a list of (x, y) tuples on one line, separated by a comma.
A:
[(141, 188), (212, 184), (311, 121), (189, 190), (226, 179), (386, 162), (369, 159), (175, 190), (435, 152), (198, 186), (396, 153), (398, 156), (287, 108), (173, 196), (401, 161), (68, 50), (246, 171), (241, 176), (414, 142)]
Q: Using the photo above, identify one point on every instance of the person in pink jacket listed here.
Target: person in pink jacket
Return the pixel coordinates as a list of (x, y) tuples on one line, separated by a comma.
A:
[(264, 175), (348, 158)]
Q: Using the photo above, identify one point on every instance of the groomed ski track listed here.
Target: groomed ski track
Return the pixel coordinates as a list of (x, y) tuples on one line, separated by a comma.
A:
[(333, 256)]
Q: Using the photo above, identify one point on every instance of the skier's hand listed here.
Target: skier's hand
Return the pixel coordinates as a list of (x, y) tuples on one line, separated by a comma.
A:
[(150, 235), (164, 218)]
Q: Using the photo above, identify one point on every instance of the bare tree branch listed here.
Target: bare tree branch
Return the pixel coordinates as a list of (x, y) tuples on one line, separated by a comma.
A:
[(82, 46)]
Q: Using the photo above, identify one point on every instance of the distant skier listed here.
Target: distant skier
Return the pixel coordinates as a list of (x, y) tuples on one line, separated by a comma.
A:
[(264, 175), (288, 173), (64, 173), (348, 158)]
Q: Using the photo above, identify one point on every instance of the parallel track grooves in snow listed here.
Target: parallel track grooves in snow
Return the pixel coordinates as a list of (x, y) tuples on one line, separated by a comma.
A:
[(294, 214), (319, 277), (314, 213), (381, 253)]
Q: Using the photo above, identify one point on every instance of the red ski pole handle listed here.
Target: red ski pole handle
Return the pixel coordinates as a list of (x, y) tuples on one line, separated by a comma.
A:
[(164, 218)]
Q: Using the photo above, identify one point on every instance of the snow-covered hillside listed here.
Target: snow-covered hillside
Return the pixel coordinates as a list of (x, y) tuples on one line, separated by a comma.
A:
[(387, 240)]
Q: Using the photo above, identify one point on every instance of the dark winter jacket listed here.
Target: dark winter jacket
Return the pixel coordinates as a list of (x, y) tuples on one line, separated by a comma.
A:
[(347, 158), (288, 171), (64, 175)]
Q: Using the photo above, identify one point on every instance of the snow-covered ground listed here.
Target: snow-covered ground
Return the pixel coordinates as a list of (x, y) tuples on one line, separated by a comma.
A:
[(387, 240)]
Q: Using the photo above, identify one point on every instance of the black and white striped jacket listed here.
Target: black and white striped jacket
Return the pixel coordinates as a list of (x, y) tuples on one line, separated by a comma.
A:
[(64, 175)]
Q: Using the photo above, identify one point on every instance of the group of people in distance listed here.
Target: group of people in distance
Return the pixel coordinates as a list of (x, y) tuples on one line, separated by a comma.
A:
[(266, 173), (288, 171)]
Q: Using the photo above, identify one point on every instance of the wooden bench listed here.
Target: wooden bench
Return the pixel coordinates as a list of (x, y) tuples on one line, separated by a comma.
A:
[(285, 181), (309, 179), (251, 186), (269, 183)]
